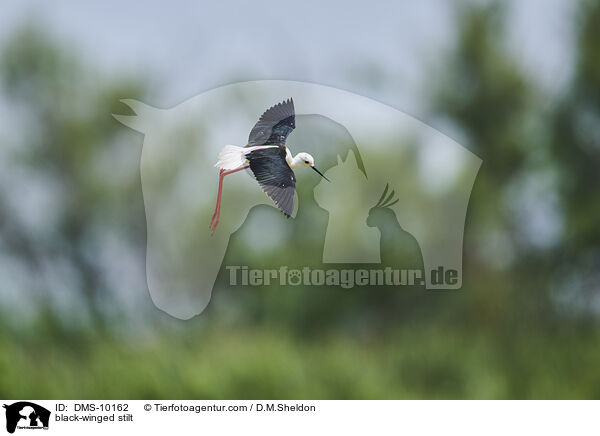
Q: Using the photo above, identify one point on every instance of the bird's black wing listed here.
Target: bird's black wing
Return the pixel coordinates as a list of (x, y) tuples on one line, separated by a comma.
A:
[(274, 125), (274, 176)]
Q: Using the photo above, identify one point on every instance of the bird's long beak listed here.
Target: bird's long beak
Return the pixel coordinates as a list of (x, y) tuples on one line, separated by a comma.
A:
[(321, 174)]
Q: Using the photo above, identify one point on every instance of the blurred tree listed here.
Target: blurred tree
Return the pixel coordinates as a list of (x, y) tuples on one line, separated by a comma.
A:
[(69, 148), (575, 148), (487, 99)]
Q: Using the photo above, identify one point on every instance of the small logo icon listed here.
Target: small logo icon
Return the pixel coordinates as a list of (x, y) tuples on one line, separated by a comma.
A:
[(26, 415)]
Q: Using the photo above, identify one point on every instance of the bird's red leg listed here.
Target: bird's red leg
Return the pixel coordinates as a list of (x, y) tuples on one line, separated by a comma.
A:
[(214, 221), (218, 197)]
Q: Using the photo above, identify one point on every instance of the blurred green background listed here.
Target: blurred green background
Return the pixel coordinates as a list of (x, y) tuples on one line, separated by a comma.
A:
[(77, 320)]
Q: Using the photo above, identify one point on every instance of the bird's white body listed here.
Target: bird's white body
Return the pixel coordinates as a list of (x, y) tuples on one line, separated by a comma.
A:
[(232, 157)]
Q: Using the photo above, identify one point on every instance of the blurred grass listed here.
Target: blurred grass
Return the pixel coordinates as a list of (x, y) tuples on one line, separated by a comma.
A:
[(434, 362)]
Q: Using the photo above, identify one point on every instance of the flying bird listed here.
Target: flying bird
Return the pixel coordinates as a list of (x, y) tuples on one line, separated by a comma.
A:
[(268, 158)]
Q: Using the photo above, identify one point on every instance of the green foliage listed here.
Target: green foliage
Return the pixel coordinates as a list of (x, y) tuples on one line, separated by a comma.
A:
[(430, 362), (523, 326)]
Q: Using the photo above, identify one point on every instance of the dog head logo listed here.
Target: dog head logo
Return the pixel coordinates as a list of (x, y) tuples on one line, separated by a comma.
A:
[(26, 415), (431, 177)]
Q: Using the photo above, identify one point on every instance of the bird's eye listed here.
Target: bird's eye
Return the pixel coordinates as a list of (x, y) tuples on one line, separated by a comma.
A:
[(305, 161)]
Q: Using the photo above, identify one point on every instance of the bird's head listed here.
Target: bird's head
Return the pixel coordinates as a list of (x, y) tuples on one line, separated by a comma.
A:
[(306, 160)]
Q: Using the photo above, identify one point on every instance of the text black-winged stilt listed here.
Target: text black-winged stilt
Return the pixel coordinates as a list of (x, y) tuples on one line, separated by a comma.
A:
[(268, 158)]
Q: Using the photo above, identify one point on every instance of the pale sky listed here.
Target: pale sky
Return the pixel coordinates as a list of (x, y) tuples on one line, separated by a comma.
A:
[(190, 47)]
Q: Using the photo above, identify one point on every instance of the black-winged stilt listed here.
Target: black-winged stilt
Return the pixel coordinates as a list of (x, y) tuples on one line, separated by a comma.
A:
[(268, 157)]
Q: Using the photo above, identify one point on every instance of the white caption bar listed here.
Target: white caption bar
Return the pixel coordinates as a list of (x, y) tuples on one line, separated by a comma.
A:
[(299, 417)]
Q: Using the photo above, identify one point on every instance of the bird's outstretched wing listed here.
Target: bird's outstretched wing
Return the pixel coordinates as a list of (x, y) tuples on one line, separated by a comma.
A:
[(274, 176), (274, 125)]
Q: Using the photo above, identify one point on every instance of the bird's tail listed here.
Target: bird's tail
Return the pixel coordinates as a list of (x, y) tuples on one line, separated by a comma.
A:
[(231, 157)]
